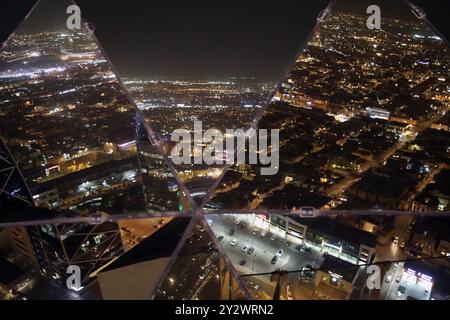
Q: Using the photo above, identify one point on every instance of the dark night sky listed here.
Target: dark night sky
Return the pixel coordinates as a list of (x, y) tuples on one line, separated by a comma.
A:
[(202, 37)]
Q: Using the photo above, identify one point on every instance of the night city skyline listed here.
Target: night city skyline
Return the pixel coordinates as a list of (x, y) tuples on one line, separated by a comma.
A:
[(94, 204)]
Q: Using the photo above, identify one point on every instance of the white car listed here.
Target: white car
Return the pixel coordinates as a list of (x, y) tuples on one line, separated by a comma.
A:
[(388, 279), (280, 252), (233, 242), (244, 249)]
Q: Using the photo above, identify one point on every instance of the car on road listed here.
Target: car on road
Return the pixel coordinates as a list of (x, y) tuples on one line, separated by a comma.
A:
[(307, 212), (197, 237), (253, 285), (230, 232), (233, 242), (308, 274), (419, 245), (274, 260), (273, 237), (388, 279), (237, 221), (414, 253), (250, 250), (220, 238), (307, 250), (255, 232), (243, 262), (402, 245), (280, 252), (395, 240), (244, 248), (203, 275), (308, 267), (206, 265), (397, 280)]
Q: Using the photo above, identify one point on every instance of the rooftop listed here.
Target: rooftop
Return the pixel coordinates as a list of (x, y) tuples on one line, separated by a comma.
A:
[(338, 230)]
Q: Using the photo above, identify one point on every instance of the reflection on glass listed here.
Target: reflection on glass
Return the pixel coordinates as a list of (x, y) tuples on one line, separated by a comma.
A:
[(289, 257), (56, 247), (363, 116), (174, 104), (199, 273), (70, 126), (162, 192)]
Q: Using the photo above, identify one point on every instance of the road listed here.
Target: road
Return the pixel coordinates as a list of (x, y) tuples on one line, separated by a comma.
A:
[(260, 198), (392, 251), (264, 250), (422, 185), (389, 289)]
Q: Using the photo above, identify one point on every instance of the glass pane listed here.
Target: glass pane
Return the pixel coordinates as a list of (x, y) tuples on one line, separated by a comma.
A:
[(199, 272), (363, 119), (180, 82), (72, 129), (150, 244), (114, 258)]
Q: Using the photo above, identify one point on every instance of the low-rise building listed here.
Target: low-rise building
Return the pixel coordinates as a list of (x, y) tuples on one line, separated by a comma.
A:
[(330, 236), (335, 278)]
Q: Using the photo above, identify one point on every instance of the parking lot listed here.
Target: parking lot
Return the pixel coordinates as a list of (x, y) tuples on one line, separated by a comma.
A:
[(264, 249), (399, 285)]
